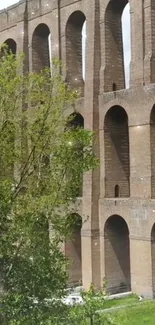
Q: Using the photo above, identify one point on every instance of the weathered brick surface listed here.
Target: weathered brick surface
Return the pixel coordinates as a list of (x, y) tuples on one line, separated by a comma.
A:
[(117, 240)]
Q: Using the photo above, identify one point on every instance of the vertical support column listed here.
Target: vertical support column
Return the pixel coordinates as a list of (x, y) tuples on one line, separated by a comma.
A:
[(140, 164), (141, 266), (23, 38), (22, 47), (149, 34), (137, 41), (90, 232), (56, 33)]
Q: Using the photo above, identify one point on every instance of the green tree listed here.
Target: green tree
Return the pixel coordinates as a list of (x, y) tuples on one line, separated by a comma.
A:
[(91, 311), (41, 164)]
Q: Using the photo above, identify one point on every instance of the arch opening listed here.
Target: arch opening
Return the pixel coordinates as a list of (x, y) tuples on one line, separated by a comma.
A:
[(76, 49), (126, 31), (117, 255), (117, 44), (41, 48), (76, 121), (84, 38), (152, 149), (7, 146), (117, 161), (73, 251), (41, 234), (114, 87), (11, 46), (117, 191)]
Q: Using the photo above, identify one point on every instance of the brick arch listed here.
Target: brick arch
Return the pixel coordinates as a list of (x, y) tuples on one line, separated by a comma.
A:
[(74, 28), (11, 44), (40, 48), (153, 258), (116, 102), (117, 255), (73, 250), (75, 120), (152, 149), (117, 161), (114, 61)]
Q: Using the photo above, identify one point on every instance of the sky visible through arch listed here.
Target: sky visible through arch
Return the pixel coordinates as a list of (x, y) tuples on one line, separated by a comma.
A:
[(126, 34)]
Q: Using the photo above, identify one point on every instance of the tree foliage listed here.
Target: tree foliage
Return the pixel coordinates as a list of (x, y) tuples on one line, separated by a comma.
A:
[(41, 168), (91, 312)]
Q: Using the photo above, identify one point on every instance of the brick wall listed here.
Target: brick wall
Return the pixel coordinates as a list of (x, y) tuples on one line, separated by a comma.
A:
[(153, 258), (152, 147)]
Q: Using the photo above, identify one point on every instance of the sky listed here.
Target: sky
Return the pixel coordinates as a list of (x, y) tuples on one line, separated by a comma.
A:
[(126, 34), (6, 3)]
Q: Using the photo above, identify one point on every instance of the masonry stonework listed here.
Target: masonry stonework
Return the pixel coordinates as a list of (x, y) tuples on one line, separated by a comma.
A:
[(117, 242)]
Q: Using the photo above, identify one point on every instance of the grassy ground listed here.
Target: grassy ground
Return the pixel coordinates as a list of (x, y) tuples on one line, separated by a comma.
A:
[(121, 302), (143, 313)]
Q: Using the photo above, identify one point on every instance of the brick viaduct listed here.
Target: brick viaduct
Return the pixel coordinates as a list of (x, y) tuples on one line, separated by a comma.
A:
[(118, 240)]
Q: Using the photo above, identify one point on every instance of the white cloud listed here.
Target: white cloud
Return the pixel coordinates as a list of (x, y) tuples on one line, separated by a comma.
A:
[(126, 42), (6, 3)]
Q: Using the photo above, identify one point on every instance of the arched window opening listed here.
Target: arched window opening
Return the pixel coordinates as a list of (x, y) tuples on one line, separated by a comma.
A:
[(84, 38), (152, 148), (7, 146), (126, 30), (117, 44), (75, 120), (73, 251), (117, 191), (117, 162), (153, 258), (50, 50), (75, 50), (114, 87), (41, 48), (44, 171), (11, 46), (40, 242), (117, 260)]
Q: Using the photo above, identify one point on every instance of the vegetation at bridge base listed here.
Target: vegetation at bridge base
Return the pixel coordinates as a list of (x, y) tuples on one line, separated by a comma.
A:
[(90, 311), (41, 168), (97, 310)]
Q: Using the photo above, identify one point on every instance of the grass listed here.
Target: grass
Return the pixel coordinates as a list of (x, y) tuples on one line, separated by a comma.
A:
[(126, 311), (132, 299), (142, 313)]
